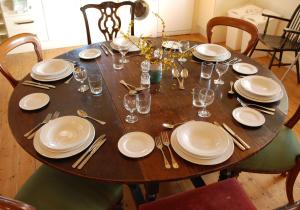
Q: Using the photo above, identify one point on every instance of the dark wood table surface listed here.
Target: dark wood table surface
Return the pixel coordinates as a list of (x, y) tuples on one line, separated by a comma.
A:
[(169, 104)]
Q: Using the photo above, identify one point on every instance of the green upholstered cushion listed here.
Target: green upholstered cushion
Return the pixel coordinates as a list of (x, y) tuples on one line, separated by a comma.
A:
[(49, 189), (278, 156)]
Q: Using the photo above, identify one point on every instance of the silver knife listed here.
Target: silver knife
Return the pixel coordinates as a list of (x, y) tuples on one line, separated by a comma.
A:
[(264, 111), (238, 144), (236, 136), (37, 83), (104, 50), (37, 86), (88, 151), (95, 149), (107, 48)]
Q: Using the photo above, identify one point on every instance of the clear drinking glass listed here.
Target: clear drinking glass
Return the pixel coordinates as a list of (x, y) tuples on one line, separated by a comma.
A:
[(143, 102), (123, 49), (221, 69), (206, 70), (80, 75), (196, 97), (206, 97), (117, 64), (95, 83), (183, 46), (130, 105)]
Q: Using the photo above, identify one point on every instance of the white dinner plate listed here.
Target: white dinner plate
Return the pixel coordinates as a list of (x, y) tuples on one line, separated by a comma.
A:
[(57, 155), (260, 85), (136, 144), (133, 43), (202, 139), (51, 67), (65, 133), (52, 79), (171, 45), (91, 53), (245, 68), (248, 116), (255, 98), (211, 50), (200, 161), (213, 59), (34, 101)]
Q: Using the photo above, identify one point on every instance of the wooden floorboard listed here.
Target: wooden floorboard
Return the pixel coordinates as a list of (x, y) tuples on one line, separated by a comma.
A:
[(266, 191)]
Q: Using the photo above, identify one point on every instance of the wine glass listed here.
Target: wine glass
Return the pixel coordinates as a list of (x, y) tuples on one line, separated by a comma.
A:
[(123, 49), (206, 98), (183, 46), (130, 105), (80, 75), (221, 69)]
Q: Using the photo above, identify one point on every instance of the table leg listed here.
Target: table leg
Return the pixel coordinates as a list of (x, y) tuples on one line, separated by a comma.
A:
[(198, 181), (151, 190), (137, 194)]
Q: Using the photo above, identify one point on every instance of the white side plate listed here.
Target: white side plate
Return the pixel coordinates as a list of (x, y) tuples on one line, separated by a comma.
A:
[(34, 101), (91, 53), (248, 116), (245, 68)]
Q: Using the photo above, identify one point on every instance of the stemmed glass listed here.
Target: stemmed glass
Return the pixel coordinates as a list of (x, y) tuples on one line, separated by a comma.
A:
[(123, 49), (183, 46), (80, 75), (130, 105), (206, 98), (221, 69)]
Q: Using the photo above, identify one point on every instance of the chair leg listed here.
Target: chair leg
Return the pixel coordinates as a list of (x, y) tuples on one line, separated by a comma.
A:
[(228, 173), (251, 52), (280, 59), (290, 181), (272, 60), (152, 190), (297, 67), (198, 181)]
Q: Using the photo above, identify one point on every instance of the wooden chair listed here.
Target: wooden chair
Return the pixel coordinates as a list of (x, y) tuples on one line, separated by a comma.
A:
[(236, 23), (282, 155), (13, 42), (227, 194), (108, 13), (288, 41), (49, 189)]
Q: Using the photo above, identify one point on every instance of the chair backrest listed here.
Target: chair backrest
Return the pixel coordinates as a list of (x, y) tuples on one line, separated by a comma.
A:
[(294, 24), (294, 119), (13, 42), (109, 13), (236, 23), (11, 204)]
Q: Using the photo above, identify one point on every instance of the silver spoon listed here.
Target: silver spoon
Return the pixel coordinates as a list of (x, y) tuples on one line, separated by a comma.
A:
[(83, 114), (184, 74), (231, 85), (175, 74), (131, 91), (171, 126)]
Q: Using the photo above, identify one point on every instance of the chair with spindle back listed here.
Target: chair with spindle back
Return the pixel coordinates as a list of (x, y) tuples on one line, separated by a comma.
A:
[(13, 42), (282, 155), (236, 23), (108, 15), (289, 40)]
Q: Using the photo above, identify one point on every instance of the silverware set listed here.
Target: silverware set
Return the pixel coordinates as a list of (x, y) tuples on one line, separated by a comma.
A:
[(163, 140), (263, 109), (38, 84), (106, 49), (131, 88), (183, 74), (30, 134), (85, 157)]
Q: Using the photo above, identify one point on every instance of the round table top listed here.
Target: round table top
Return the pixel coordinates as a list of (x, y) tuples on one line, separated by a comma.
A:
[(169, 104)]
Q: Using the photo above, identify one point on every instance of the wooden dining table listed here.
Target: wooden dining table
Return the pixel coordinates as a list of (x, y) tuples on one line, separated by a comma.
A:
[(169, 104)]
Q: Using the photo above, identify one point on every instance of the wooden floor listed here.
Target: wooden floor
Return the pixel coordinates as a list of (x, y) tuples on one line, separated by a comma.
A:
[(266, 191)]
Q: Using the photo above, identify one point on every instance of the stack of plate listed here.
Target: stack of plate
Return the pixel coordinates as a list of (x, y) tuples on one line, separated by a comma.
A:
[(211, 52), (202, 143), (52, 70), (64, 137), (121, 41), (259, 89)]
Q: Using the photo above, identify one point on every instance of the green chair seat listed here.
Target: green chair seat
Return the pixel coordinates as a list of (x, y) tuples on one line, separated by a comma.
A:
[(49, 189), (278, 156)]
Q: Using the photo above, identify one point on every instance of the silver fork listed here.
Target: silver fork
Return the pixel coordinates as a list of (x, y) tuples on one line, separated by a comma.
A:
[(166, 142), (260, 108), (159, 145), (47, 119), (54, 116)]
